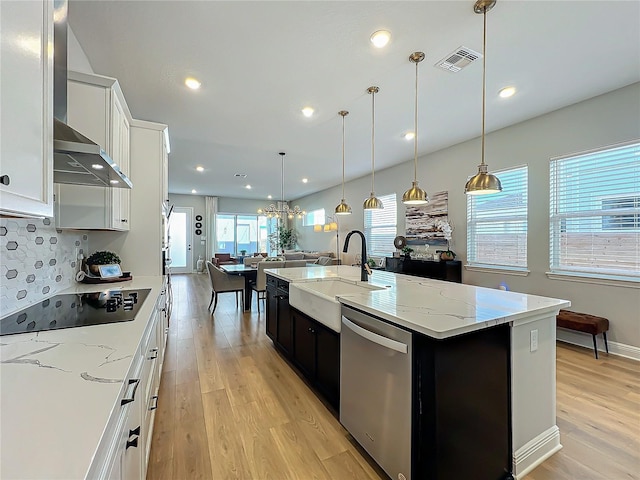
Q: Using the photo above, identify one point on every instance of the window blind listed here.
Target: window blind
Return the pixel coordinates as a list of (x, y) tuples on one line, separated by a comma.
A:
[(595, 212), (497, 224), (380, 226)]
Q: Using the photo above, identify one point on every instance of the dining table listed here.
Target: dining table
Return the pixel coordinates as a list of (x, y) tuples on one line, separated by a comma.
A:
[(249, 273)]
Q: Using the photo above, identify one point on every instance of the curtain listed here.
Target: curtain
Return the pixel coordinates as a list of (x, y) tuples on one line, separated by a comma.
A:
[(211, 210)]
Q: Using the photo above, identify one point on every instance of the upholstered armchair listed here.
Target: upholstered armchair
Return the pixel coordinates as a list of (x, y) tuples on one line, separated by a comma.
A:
[(222, 282), (223, 259)]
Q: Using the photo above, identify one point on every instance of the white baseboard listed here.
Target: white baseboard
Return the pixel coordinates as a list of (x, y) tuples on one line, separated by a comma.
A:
[(528, 457), (585, 340)]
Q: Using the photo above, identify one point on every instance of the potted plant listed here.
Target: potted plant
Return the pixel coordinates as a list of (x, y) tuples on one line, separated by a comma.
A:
[(102, 257), (406, 250), (243, 252), (445, 227), (283, 238)]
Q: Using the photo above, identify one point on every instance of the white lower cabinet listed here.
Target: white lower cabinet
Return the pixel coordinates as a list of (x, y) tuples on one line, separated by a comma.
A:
[(123, 453)]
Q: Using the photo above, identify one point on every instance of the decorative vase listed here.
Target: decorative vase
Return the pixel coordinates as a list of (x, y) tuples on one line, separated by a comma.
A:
[(94, 270), (447, 255)]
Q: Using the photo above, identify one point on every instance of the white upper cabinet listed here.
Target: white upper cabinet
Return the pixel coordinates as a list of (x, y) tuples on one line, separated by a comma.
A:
[(26, 108), (97, 109)]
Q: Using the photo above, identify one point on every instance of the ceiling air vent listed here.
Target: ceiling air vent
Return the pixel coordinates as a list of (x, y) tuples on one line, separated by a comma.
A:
[(458, 59)]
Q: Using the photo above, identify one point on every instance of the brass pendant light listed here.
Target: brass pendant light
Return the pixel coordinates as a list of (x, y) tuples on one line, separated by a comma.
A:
[(483, 182), (373, 203), (415, 195), (343, 208)]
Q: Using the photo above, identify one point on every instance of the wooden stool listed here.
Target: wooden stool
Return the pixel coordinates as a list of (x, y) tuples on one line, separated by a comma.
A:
[(583, 322)]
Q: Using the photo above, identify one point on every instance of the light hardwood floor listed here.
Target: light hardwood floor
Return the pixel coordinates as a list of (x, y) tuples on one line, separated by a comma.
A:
[(231, 407)]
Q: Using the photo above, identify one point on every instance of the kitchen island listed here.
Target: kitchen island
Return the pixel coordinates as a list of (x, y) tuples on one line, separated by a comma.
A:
[(63, 394), (442, 311)]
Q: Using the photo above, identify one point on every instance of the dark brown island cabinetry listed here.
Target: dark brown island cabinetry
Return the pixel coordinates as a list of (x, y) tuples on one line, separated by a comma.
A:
[(313, 348), (316, 351), (450, 270), (278, 314)]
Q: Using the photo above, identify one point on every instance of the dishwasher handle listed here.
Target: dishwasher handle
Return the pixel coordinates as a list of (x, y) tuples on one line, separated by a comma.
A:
[(374, 337)]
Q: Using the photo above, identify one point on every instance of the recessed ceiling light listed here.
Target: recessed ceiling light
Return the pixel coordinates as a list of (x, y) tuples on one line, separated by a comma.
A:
[(192, 83), (507, 92), (269, 197), (380, 38), (200, 168), (248, 187), (97, 166), (193, 191), (409, 136), (305, 180), (114, 182), (307, 111)]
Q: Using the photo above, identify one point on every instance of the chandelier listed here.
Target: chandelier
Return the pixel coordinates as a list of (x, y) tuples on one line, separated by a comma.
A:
[(281, 210)]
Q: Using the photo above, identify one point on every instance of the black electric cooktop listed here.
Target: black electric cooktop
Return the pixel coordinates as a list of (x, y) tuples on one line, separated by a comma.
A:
[(76, 310)]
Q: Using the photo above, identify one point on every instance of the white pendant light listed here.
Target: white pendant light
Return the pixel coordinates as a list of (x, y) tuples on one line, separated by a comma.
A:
[(343, 208), (483, 183), (373, 203), (415, 195)]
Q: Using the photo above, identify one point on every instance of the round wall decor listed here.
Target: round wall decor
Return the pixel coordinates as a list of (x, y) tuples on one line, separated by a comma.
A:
[(198, 218), (198, 225), (198, 232), (399, 242)]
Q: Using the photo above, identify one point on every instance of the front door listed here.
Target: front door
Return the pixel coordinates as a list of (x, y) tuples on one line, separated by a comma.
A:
[(180, 240)]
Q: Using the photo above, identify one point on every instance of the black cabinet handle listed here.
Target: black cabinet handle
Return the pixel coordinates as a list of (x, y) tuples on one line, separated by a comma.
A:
[(155, 403), (154, 354), (132, 381), (132, 443), (123, 220), (5, 179)]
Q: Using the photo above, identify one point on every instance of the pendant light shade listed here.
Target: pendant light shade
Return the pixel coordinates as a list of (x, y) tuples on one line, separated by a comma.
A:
[(415, 195), (343, 208), (373, 203), (483, 183)]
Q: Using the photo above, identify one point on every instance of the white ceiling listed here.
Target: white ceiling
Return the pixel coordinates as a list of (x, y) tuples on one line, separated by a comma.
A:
[(260, 62)]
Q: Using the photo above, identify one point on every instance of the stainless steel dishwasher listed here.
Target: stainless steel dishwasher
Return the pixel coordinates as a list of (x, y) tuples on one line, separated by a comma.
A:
[(375, 389)]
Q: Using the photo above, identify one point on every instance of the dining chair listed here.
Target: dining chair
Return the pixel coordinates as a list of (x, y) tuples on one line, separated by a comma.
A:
[(260, 287), (222, 282)]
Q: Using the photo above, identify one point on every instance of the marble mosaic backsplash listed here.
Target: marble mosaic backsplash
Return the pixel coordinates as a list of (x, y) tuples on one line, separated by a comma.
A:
[(36, 261)]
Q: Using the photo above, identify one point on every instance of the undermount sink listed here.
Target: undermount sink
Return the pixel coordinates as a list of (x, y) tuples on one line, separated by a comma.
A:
[(318, 299)]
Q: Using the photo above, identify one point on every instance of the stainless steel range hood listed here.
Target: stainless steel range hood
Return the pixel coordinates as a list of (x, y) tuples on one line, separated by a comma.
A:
[(77, 160)]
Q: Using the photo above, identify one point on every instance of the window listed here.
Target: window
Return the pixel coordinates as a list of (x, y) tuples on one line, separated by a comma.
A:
[(380, 226), (314, 217), (497, 224), (595, 212), (236, 232)]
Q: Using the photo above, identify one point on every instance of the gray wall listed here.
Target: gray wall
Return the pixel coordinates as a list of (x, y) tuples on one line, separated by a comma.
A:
[(600, 121), (198, 205), (241, 205)]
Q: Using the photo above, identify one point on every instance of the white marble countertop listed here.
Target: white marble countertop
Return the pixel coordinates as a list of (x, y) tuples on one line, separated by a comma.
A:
[(435, 308), (58, 388)]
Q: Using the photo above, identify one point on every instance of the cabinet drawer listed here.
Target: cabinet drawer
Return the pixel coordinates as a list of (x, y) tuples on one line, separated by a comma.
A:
[(271, 280), (283, 285)]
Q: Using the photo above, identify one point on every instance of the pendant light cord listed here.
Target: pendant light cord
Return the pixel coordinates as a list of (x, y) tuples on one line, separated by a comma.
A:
[(343, 154), (373, 134), (282, 183), (415, 133), (484, 77)]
